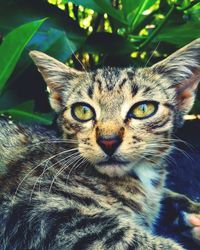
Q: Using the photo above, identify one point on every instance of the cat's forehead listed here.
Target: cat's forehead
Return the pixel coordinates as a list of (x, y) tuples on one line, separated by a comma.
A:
[(122, 83), (111, 78), (112, 87)]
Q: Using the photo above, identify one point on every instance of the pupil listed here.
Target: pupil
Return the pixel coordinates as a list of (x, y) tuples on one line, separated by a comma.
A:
[(143, 108), (85, 110)]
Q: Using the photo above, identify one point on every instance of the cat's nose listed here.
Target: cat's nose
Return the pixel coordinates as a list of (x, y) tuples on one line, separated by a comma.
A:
[(109, 143)]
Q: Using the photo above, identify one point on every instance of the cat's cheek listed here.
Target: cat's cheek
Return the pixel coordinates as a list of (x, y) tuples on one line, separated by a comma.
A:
[(88, 146), (72, 127), (87, 134), (91, 154)]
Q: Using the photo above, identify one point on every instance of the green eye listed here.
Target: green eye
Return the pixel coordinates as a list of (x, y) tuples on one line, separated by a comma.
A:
[(82, 112), (143, 110)]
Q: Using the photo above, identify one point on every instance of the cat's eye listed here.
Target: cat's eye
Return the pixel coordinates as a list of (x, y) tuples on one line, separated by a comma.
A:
[(82, 112), (143, 110)]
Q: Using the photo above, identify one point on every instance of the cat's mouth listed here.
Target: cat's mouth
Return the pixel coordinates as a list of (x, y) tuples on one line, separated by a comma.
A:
[(113, 167), (112, 162)]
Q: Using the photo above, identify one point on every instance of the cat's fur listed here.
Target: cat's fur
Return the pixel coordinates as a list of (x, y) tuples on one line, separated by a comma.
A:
[(68, 194)]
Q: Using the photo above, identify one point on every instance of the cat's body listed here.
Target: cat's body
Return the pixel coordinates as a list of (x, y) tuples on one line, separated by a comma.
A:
[(100, 187), (53, 213)]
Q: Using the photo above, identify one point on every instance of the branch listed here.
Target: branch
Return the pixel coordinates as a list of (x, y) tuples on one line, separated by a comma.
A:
[(159, 27), (189, 6)]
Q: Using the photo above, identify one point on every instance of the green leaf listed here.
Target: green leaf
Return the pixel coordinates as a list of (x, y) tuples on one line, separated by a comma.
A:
[(26, 106), (24, 112), (88, 4), (64, 1), (129, 6), (180, 34), (106, 6), (135, 16), (59, 36), (12, 47), (53, 37), (112, 44)]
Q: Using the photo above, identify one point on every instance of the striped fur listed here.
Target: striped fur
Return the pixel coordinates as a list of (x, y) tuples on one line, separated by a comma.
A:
[(63, 193)]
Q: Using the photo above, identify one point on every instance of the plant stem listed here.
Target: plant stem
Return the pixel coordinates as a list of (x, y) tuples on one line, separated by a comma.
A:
[(159, 27), (189, 6), (97, 22), (137, 16)]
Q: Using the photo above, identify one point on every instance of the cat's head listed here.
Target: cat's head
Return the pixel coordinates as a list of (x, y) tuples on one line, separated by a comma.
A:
[(123, 118)]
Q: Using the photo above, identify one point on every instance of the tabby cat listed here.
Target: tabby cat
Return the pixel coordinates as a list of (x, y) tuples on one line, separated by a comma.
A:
[(100, 184)]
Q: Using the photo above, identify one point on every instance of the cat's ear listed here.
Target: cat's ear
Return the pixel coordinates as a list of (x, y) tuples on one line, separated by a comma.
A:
[(183, 70), (57, 76)]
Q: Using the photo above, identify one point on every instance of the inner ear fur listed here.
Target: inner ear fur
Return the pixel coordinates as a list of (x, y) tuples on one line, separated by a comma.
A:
[(57, 76), (182, 68)]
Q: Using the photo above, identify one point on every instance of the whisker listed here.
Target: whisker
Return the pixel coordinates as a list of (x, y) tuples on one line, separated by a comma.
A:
[(83, 67), (32, 170), (154, 150), (170, 160), (47, 169), (184, 153), (76, 157), (150, 160), (53, 142), (148, 60), (189, 145), (76, 166), (167, 158), (177, 140)]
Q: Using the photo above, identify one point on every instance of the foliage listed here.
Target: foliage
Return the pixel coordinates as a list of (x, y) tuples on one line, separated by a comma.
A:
[(85, 34)]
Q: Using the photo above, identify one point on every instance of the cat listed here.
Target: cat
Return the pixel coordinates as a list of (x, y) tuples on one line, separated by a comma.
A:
[(99, 183)]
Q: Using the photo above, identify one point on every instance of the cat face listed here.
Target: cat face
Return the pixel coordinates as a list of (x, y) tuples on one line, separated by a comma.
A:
[(123, 118), (117, 117)]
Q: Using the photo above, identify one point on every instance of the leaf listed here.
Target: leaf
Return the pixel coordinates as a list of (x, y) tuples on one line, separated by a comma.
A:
[(26, 106), (135, 16), (24, 112), (55, 42), (180, 34), (103, 42), (88, 4), (59, 36), (110, 10), (129, 6), (12, 47)]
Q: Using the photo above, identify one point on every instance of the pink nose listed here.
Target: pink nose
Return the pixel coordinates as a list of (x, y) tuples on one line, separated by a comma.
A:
[(109, 144)]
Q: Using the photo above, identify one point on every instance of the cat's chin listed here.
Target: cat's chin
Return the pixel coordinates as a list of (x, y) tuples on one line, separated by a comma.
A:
[(114, 170)]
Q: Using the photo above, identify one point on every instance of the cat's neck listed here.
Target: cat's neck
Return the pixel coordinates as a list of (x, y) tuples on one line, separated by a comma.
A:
[(150, 176)]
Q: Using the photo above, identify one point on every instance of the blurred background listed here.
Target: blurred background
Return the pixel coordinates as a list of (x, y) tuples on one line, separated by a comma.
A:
[(85, 34)]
